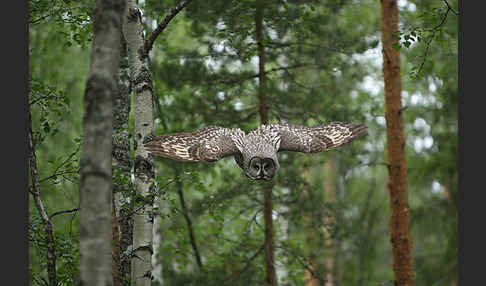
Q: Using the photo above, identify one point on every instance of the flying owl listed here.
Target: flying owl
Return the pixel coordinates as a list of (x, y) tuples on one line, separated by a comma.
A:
[(255, 152)]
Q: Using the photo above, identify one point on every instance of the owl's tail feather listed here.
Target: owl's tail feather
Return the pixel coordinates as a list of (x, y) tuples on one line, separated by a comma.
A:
[(358, 130)]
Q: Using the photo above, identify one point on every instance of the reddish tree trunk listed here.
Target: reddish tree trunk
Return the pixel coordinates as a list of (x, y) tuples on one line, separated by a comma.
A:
[(397, 182)]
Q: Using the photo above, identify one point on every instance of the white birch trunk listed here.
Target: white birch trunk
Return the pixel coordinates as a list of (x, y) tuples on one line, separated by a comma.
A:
[(143, 166), (157, 235)]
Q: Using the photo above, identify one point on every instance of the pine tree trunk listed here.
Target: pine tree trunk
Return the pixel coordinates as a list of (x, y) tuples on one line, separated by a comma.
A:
[(397, 182), (95, 163), (143, 166), (122, 187), (271, 277)]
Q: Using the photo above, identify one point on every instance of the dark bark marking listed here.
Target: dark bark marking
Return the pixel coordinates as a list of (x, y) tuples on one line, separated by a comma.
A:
[(133, 15), (144, 166)]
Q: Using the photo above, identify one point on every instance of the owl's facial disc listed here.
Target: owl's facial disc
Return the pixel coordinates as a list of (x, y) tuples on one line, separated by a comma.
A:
[(261, 168), (268, 168)]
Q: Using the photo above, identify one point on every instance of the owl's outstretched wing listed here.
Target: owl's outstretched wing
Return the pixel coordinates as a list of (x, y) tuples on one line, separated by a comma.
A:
[(208, 144), (313, 139)]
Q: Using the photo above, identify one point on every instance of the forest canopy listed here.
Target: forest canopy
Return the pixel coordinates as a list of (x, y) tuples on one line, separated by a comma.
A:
[(238, 64)]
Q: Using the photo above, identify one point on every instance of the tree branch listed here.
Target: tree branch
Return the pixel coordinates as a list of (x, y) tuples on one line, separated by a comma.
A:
[(325, 47), (450, 8), (286, 69), (66, 171), (434, 29), (151, 39), (35, 191)]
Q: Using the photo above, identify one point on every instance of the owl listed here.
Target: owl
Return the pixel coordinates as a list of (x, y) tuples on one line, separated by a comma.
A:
[(254, 152)]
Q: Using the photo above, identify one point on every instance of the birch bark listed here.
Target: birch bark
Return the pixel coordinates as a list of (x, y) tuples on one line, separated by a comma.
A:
[(141, 78), (141, 261)]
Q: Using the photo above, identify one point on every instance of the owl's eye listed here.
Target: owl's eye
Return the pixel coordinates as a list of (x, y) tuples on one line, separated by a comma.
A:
[(256, 167)]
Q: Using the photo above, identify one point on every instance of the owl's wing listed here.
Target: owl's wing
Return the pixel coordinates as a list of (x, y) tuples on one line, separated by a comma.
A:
[(313, 139), (208, 144)]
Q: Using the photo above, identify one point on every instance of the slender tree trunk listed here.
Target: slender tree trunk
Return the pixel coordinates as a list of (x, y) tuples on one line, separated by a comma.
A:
[(143, 219), (95, 162), (122, 187), (156, 231), (35, 191), (271, 277), (157, 240), (397, 182), (311, 271), (322, 268), (329, 242)]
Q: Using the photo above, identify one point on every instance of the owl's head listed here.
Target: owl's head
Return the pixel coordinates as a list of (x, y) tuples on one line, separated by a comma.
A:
[(257, 157), (258, 166), (261, 168)]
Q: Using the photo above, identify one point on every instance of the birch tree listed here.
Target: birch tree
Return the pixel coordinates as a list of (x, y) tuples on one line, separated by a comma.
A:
[(144, 171), (95, 162), (141, 266), (397, 167)]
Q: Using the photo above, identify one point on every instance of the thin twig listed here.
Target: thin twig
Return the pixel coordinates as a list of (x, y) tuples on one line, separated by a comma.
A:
[(290, 44), (435, 29), (286, 69), (450, 8), (68, 159), (63, 212), (59, 174)]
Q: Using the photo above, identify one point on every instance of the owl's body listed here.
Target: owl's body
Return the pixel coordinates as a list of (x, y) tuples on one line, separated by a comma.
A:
[(255, 152)]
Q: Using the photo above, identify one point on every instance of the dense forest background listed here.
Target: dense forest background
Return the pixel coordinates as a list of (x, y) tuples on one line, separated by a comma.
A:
[(331, 210)]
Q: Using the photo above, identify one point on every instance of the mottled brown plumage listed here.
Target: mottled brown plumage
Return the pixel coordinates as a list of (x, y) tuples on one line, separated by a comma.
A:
[(255, 152)]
